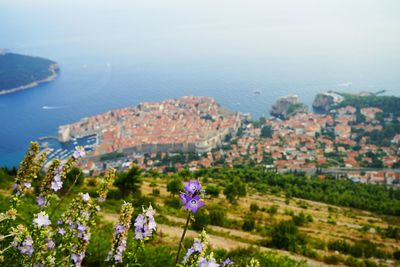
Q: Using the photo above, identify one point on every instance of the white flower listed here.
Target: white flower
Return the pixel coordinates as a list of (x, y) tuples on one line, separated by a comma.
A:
[(86, 197), (42, 219)]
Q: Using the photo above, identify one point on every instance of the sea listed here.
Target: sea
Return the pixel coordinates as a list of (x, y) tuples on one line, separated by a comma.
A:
[(114, 57)]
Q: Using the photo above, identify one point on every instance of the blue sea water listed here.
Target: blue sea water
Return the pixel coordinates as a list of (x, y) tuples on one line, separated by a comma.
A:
[(112, 58)]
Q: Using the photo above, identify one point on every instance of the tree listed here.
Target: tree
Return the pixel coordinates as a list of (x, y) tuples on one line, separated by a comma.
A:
[(129, 183), (74, 177), (267, 131), (174, 186), (234, 190)]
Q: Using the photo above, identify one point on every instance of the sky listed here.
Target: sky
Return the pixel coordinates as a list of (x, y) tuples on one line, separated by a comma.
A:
[(360, 36)]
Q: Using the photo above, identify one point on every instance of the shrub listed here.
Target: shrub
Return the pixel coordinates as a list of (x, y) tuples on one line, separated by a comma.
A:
[(201, 220), (91, 183), (285, 235), (302, 219), (249, 224), (173, 202), (254, 207), (155, 192), (217, 215), (114, 194), (272, 210), (212, 190), (332, 259)]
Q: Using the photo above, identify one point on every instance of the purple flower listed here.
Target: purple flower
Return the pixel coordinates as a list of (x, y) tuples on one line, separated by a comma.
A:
[(139, 234), (194, 204), (119, 229), (50, 244), (81, 227), (227, 262), (61, 231), (42, 219), (79, 152), (203, 262), (27, 246), (58, 170), (188, 254), (192, 187), (40, 201), (152, 223), (185, 198), (77, 258), (191, 196), (150, 212), (198, 246), (59, 222), (139, 221), (145, 224)]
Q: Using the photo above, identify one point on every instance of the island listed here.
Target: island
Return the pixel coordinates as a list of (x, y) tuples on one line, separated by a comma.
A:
[(20, 72)]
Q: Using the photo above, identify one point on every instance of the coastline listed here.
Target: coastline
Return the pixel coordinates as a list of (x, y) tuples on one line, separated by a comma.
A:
[(54, 68)]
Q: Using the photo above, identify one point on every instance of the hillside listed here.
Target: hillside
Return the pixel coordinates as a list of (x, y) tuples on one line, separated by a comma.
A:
[(19, 72), (249, 214)]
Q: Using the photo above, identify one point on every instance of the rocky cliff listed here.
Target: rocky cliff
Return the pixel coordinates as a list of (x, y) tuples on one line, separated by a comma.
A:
[(324, 101), (287, 106)]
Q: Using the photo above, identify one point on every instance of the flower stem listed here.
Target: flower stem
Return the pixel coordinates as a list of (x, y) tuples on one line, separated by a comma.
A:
[(183, 236)]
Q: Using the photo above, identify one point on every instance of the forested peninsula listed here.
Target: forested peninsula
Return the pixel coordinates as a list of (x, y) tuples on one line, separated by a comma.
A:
[(20, 72)]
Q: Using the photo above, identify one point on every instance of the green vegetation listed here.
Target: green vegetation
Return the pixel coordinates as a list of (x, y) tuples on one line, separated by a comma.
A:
[(389, 104), (376, 198), (111, 156), (175, 186), (129, 183), (18, 70), (267, 131), (285, 235), (257, 208)]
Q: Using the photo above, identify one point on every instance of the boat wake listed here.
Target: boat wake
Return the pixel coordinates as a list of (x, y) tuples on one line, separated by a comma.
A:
[(54, 107)]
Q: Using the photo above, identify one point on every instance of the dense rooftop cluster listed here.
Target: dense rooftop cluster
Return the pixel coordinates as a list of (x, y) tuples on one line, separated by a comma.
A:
[(187, 124)]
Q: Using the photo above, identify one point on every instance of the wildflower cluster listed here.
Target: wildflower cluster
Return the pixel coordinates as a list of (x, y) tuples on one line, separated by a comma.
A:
[(197, 250), (22, 240), (191, 196), (53, 179), (30, 166), (196, 255), (105, 185), (121, 234), (145, 224), (75, 226)]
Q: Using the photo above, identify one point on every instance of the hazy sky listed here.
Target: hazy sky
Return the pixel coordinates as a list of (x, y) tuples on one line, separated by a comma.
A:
[(345, 34)]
